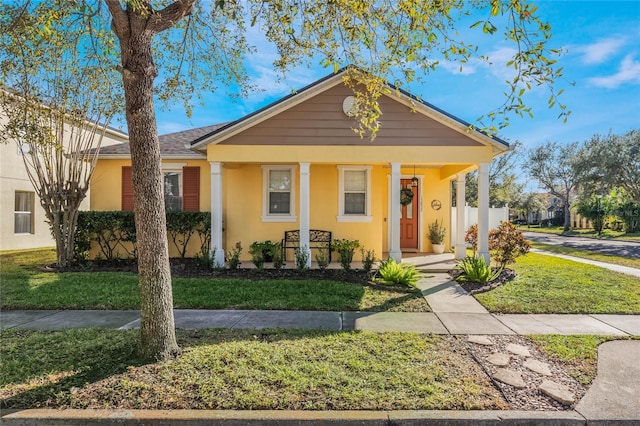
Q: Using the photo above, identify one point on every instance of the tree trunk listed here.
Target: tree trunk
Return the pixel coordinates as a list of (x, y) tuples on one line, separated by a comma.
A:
[(157, 328), (567, 215)]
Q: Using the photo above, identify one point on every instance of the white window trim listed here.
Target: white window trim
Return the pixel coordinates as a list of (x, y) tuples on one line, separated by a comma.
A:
[(351, 217), (278, 217), (31, 213), (176, 168)]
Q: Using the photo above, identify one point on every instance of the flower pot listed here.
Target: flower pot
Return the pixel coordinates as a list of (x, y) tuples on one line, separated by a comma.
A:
[(438, 248)]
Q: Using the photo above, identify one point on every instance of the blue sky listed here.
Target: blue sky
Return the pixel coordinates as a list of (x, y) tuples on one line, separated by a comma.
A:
[(601, 79)]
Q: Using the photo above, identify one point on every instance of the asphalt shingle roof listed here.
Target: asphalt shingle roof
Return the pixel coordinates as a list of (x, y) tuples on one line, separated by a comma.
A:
[(171, 144)]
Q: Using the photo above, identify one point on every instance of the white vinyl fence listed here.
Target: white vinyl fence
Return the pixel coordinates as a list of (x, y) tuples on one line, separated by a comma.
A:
[(496, 215)]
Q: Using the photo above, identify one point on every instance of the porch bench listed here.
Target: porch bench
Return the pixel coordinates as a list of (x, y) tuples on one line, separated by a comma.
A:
[(318, 239)]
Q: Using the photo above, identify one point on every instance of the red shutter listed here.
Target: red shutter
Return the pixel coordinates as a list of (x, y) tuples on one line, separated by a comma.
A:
[(127, 189), (191, 189)]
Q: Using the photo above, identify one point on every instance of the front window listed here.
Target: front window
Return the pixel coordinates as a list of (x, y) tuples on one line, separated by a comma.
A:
[(23, 213), (172, 190), (354, 202), (279, 194)]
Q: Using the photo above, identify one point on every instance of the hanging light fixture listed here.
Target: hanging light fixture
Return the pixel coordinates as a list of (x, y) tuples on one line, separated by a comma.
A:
[(414, 179)]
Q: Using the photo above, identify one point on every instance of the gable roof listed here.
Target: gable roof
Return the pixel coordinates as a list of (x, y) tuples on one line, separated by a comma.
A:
[(172, 145), (234, 127)]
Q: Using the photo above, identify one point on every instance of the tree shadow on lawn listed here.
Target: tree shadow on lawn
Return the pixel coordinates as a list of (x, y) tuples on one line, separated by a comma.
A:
[(38, 367)]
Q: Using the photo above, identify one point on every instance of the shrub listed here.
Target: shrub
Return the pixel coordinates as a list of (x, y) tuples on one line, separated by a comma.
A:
[(302, 257), (181, 226), (596, 209), (233, 260), (394, 273), (278, 256), (437, 232), (322, 257), (506, 243), (257, 255), (476, 270), (346, 248), (368, 259), (471, 238)]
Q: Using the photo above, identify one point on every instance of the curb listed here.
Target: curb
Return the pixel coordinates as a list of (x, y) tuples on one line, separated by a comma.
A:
[(73, 417)]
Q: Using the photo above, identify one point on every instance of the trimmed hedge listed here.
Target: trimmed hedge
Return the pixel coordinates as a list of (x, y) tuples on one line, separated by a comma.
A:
[(114, 232)]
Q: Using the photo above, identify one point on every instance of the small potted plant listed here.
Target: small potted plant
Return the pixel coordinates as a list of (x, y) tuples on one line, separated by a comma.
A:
[(436, 235)]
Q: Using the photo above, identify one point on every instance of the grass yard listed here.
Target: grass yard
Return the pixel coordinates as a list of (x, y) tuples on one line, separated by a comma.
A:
[(578, 354), (578, 232), (587, 254), (221, 369), (24, 286), (547, 284)]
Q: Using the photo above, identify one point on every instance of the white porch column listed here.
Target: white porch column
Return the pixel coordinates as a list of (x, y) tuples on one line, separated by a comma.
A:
[(461, 247), (304, 209), (483, 211), (396, 209), (217, 249)]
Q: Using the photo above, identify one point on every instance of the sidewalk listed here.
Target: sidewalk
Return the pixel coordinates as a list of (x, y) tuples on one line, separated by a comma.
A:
[(454, 312), (614, 397)]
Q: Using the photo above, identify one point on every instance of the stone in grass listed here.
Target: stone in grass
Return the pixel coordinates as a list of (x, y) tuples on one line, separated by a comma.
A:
[(499, 359), (510, 377), (560, 393), (480, 340), (518, 349), (537, 366)]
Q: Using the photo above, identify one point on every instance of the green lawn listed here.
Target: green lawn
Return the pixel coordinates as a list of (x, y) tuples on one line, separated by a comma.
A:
[(588, 233), (547, 284), (588, 254), (222, 369), (24, 286), (578, 354)]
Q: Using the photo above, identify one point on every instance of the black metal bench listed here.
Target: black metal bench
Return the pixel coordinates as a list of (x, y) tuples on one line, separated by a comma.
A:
[(318, 239)]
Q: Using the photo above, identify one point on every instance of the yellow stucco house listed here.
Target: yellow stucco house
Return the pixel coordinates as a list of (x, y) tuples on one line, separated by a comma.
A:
[(298, 165)]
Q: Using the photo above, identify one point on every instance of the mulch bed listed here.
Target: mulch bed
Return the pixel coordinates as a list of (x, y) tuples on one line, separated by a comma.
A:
[(190, 268), (473, 288)]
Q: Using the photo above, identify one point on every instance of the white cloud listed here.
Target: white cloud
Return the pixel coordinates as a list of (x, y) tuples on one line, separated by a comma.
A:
[(496, 64), (628, 72), (457, 68), (600, 51)]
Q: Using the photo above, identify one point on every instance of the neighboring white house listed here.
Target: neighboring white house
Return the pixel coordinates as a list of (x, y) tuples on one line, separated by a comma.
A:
[(22, 218)]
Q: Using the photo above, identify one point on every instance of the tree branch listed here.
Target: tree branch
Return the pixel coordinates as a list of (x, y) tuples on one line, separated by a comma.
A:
[(120, 22), (167, 17)]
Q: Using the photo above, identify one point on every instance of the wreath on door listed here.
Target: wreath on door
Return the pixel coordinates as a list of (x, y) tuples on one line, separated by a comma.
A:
[(406, 196)]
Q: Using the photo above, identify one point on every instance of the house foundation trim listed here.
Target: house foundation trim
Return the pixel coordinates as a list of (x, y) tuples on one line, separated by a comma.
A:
[(217, 247), (483, 211), (461, 247)]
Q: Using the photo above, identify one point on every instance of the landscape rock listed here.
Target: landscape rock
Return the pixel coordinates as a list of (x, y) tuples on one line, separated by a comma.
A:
[(560, 393), (510, 377), (480, 340), (537, 366), (518, 349), (499, 359)]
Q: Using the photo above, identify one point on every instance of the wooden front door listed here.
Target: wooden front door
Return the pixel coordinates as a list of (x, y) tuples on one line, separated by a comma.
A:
[(409, 231)]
